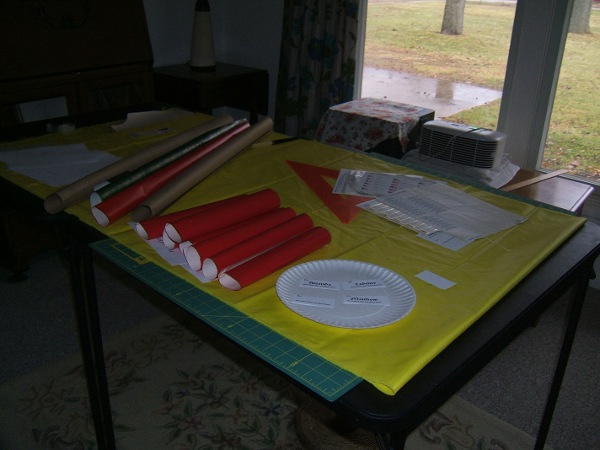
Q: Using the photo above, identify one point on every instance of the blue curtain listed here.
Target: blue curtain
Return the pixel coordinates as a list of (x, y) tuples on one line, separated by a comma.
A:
[(317, 62)]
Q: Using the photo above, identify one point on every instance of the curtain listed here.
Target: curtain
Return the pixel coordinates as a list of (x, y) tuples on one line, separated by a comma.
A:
[(317, 62)]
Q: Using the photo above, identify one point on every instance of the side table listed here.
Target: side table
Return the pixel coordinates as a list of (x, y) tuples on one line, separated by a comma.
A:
[(240, 87), (556, 191), (373, 125)]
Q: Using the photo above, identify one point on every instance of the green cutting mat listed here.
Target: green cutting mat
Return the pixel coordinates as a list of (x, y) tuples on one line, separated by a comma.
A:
[(313, 371)]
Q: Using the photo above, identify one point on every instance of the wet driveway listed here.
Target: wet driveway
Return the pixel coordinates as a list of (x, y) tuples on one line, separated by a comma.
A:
[(445, 97)]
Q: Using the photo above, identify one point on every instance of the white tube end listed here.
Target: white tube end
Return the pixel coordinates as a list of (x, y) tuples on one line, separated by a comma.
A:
[(172, 232), (209, 269), (95, 199), (193, 258), (141, 231), (100, 217), (167, 241), (228, 282)]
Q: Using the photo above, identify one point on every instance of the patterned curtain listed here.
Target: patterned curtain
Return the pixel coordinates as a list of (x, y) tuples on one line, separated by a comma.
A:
[(317, 62)]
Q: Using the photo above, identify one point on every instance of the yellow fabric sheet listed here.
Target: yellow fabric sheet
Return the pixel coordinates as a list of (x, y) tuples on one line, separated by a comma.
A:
[(387, 357)]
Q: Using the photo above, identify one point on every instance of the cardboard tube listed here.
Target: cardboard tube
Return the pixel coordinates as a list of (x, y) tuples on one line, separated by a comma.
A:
[(128, 178), (119, 204), (161, 200), (81, 189)]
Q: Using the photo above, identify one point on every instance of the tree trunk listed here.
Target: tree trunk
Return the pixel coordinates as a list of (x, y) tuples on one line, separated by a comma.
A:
[(580, 17), (454, 12)]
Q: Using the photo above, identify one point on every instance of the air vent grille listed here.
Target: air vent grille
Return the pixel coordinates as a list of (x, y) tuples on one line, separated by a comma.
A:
[(462, 144)]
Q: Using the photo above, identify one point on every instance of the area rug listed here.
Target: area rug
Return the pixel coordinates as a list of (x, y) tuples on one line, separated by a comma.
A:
[(180, 387)]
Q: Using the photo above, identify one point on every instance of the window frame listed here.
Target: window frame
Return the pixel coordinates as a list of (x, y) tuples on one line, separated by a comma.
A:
[(535, 55)]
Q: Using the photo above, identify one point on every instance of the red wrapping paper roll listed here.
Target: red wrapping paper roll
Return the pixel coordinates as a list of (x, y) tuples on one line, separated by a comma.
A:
[(207, 236), (75, 192), (170, 243), (185, 244), (223, 216), (274, 259), (116, 206), (217, 263), (212, 244), (154, 227)]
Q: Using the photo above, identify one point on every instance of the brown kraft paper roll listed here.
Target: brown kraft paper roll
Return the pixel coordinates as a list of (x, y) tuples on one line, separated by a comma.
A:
[(190, 177), (81, 189)]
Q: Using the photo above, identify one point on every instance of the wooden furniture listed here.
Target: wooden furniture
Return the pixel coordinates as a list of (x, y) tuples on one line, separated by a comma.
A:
[(240, 87), (95, 56), (554, 190)]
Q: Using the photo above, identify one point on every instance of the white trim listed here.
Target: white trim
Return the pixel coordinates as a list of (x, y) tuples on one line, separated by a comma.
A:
[(360, 47), (538, 40)]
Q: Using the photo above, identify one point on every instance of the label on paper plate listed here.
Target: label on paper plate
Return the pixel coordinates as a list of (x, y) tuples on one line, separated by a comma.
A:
[(378, 300), (368, 284), (320, 284), (313, 301), (363, 284)]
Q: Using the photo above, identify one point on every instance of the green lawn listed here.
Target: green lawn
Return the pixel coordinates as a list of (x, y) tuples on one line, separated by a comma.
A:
[(405, 37)]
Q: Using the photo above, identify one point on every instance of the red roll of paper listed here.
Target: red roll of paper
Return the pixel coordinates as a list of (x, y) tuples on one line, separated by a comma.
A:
[(116, 206), (215, 233), (154, 227), (185, 244), (212, 244), (274, 259), (217, 263), (223, 216)]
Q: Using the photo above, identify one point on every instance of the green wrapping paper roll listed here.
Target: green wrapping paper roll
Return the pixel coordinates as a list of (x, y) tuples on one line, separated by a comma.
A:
[(125, 180), (161, 200), (121, 203)]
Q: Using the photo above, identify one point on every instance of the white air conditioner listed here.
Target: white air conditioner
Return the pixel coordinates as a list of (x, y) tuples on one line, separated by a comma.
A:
[(462, 144)]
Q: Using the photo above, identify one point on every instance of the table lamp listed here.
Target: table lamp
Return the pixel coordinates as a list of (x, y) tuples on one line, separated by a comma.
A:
[(203, 48)]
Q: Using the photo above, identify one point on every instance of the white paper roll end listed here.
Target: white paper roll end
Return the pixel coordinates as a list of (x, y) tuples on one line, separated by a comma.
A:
[(172, 232), (193, 258), (167, 241), (228, 282), (209, 269), (184, 245), (100, 217), (101, 185), (95, 199), (141, 231)]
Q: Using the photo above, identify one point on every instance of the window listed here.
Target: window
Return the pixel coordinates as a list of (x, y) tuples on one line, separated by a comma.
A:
[(531, 50), (574, 128)]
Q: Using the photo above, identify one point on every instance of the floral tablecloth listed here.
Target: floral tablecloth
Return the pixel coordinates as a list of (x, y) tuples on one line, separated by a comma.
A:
[(362, 124)]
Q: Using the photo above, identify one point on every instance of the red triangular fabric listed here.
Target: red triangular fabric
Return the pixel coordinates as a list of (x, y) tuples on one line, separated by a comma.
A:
[(343, 206)]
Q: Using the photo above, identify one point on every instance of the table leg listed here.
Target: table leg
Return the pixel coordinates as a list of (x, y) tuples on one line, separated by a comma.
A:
[(397, 441), (88, 322), (573, 315)]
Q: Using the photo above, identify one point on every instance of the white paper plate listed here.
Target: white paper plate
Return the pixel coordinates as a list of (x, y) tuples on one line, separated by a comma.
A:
[(332, 283)]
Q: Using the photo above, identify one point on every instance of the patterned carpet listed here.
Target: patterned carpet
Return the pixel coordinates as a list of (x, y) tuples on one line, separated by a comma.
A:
[(176, 388)]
